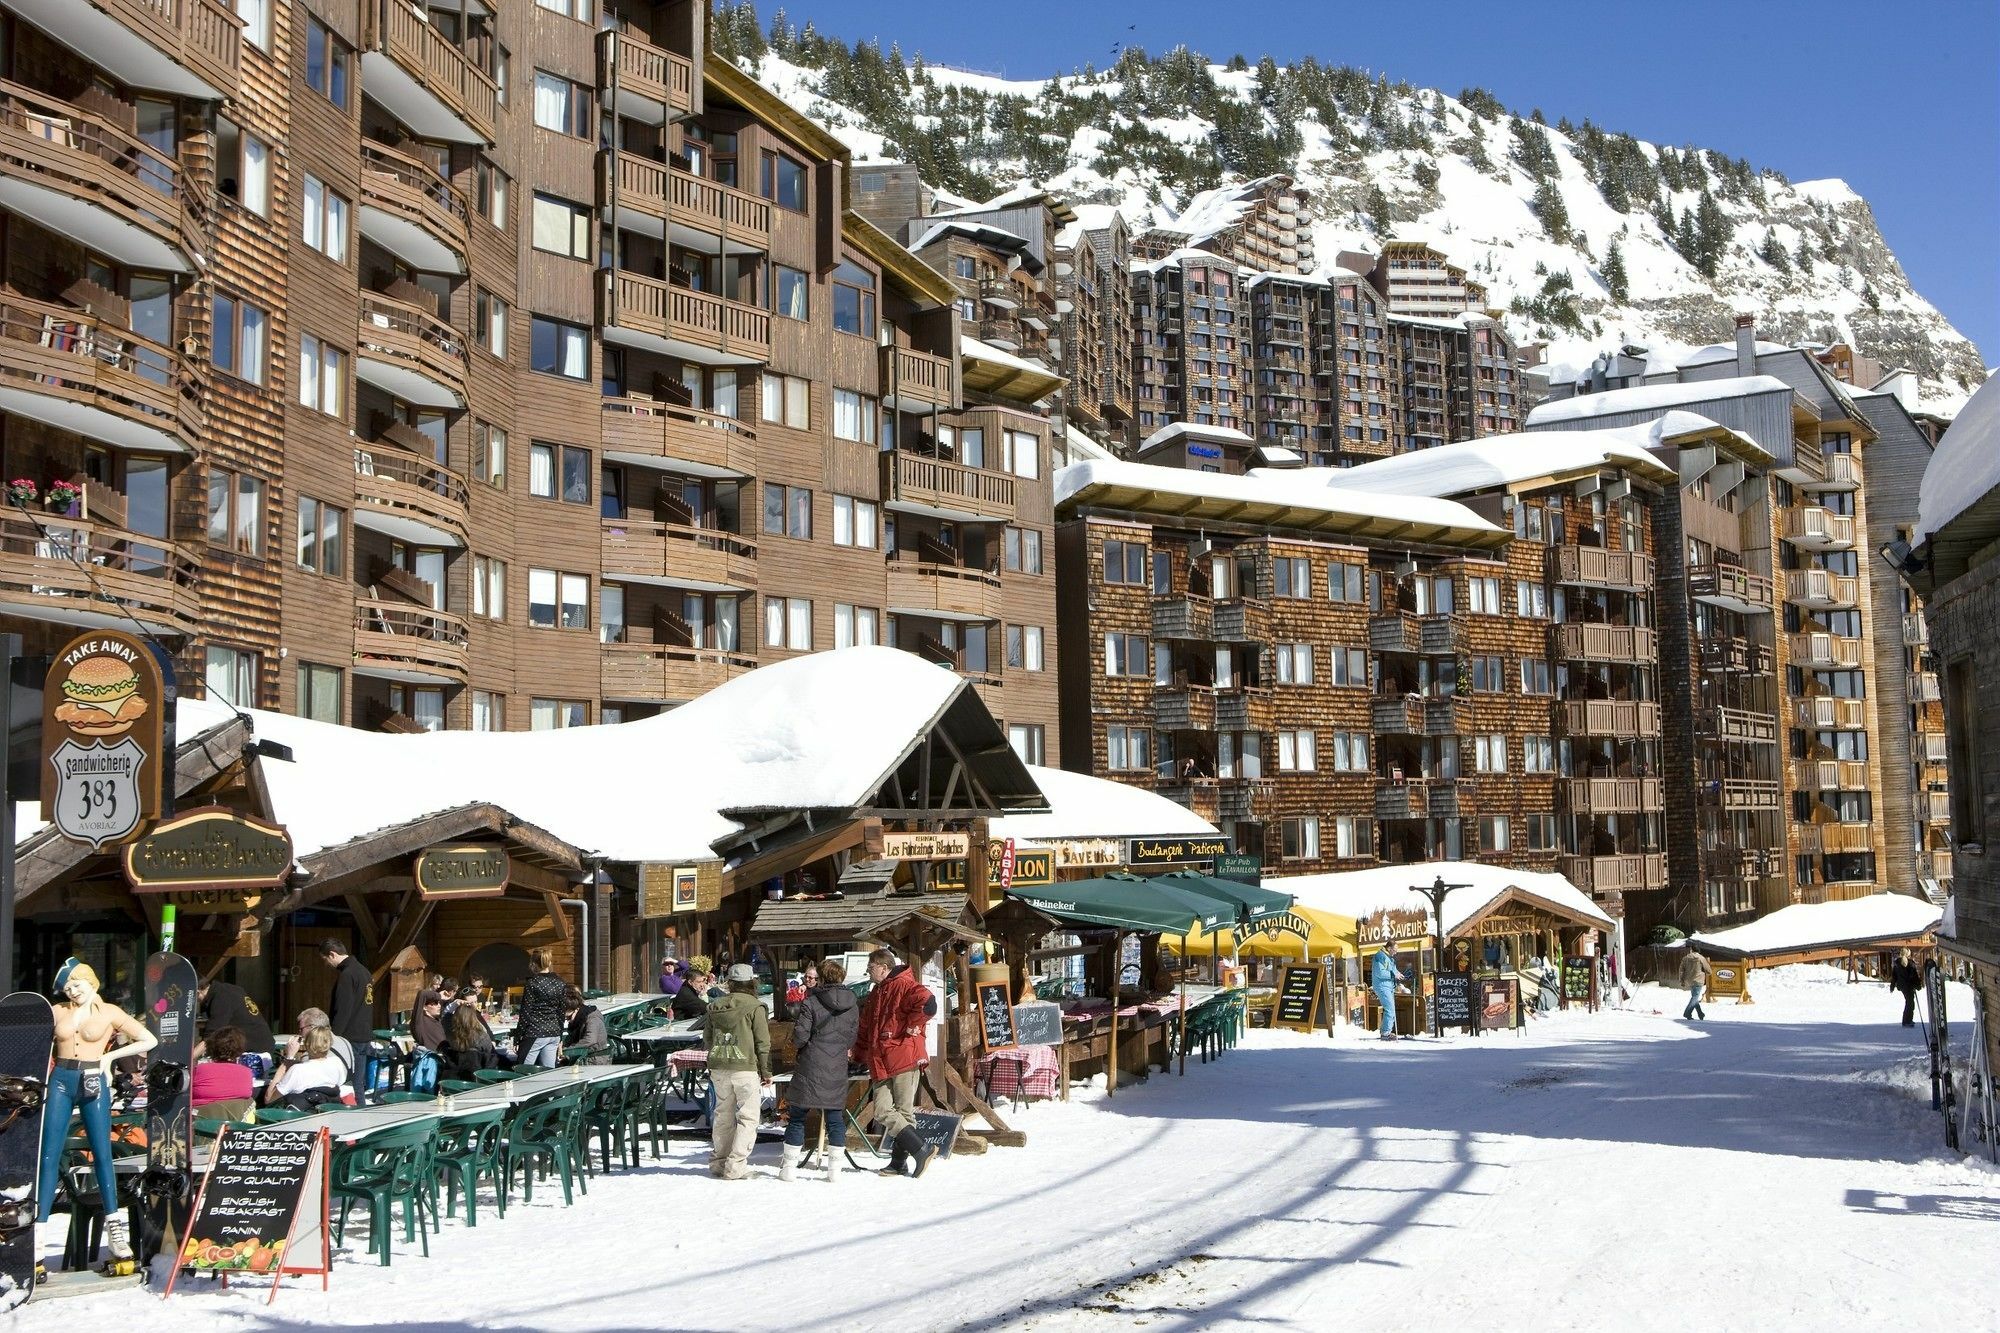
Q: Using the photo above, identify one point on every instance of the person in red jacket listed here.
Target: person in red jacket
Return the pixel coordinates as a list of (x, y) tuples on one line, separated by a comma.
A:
[(894, 1016)]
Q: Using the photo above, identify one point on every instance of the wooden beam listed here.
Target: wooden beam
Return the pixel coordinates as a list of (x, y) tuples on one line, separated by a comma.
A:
[(364, 919), (558, 914), (416, 914)]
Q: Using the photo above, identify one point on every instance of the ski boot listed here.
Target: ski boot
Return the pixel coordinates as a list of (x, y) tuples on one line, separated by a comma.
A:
[(118, 1241)]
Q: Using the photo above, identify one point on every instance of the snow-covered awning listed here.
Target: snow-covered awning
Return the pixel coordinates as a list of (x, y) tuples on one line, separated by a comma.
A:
[(1081, 806), (1364, 893), (1521, 461), (1962, 474), (1879, 921)]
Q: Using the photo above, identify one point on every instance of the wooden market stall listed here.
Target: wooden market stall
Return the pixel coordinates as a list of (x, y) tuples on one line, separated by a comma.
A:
[(1861, 934)]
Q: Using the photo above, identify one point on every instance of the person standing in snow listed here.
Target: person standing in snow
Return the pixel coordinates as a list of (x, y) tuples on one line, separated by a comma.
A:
[(738, 1036), (1694, 975), (1904, 977), (823, 1030), (894, 1019), (1385, 976)]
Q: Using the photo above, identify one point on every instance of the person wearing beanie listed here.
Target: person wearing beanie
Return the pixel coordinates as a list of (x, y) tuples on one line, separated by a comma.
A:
[(86, 1027), (894, 1017), (738, 1036)]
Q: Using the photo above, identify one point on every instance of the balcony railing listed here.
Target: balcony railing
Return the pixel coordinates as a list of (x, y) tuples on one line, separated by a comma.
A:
[(644, 72), (1815, 529), (1616, 643), (1732, 793), (1609, 717), (640, 427), (1843, 473), (1830, 774), (933, 485), (675, 554), (1934, 807), (1609, 796), (1245, 708), (445, 74), (411, 211), (915, 379), (927, 588), (1824, 651), (1616, 874), (1596, 567), (81, 572), (1183, 617), (1404, 799), (1922, 687), (662, 672), (1242, 619), (733, 217), (1183, 707), (1821, 589), (1916, 630), (1731, 586), (117, 387), (1938, 863), (203, 36), (1835, 838), (1200, 795), (1830, 714), (1404, 632), (407, 642), (1725, 655), (395, 490), (1735, 724), (683, 316), (408, 341), (1930, 746)]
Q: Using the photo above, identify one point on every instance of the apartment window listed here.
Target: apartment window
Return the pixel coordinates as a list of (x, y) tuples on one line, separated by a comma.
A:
[(1299, 838), (322, 544), (557, 714), (322, 376), (490, 190), (489, 588), (1434, 595), (237, 338), (856, 626), (1483, 596), (256, 16), (1535, 676), (1295, 664), (230, 675), (854, 522), (236, 511), (786, 401), (561, 106), (1126, 655), (1488, 675), (556, 348), (489, 322), (1029, 742), (789, 292), (1345, 583), (489, 711), (1531, 599), (1528, 523), (1024, 647), (1350, 666), (561, 227), (1291, 576), (782, 180), (1538, 832), (1295, 751), (1489, 753), (559, 472), (1127, 749), (323, 216), (854, 416), (1962, 757), (853, 299), (319, 692), (788, 511), (327, 63), (243, 163), (1538, 754), (1023, 451), (576, 9), (489, 453), (1350, 752), (557, 600), (1022, 550), (1124, 562), (1493, 831), (610, 614), (788, 623), (1353, 835)]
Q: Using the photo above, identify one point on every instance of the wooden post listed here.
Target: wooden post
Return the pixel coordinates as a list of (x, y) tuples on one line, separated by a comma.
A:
[(1111, 1056)]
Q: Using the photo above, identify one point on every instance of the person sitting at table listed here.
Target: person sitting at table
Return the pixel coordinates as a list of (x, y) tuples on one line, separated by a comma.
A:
[(343, 1050), (584, 1026), (691, 1000), (468, 1047), (671, 977), (823, 1030), (427, 1021), (309, 1077), (220, 1085)]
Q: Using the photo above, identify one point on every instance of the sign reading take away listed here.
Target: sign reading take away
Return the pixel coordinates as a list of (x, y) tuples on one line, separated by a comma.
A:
[(213, 848), (103, 715)]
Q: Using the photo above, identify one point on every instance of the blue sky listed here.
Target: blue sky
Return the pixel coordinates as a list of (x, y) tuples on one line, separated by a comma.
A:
[(1901, 100)]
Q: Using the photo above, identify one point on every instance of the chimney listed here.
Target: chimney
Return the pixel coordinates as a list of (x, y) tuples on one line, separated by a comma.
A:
[(1746, 344)]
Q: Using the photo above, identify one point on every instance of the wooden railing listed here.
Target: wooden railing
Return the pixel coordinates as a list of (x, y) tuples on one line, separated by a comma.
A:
[(64, 353), (1735, 724), (1852, 836), (1934, 807), (648, 305), (1737, 655), (1823, 651), (1596, 567), (1732, 793), (391, 481), (1821, 588), (71, 569), (922, 587), (1606, 874), (394, 28), (399, 637), (1843, 473), (1930, 747), (1830, 774), (1830, 714), (1406, 799), (1732, 584), (1407, 632), (657, 429), (935, 483), (1183, 617), (399, 332), (400, 184), (1606, 796), (1610, 717), (204, 35), (1184, 707), (1621, 643), (1916, 631), (645, 71), (1817, 528), (916, 377), (666, 191), (637, 548), (663, 672), (1922, 687)]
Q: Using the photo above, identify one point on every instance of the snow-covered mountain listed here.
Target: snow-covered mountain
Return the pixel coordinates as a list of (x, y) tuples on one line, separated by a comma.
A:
[(1589, 238)]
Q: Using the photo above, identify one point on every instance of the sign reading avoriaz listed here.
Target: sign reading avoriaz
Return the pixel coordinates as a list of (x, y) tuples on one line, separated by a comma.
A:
[(210, 848), (103, 715)]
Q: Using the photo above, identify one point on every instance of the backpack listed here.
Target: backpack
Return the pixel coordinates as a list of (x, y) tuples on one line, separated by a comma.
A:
[(311, 1099), (423, 1071)]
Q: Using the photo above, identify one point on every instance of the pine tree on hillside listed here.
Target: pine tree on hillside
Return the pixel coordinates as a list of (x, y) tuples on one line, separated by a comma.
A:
[(1773, 253), (1713, 232), (1685, 239), (1553, 212), (1615, 279), (1803, 255), (1379, 210)]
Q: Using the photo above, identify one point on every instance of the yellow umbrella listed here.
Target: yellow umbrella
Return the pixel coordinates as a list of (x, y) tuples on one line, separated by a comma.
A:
[(1302, 932)]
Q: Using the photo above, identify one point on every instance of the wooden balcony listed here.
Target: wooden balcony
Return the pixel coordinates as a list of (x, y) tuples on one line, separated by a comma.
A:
[(1200, 795), (1605, 643), (1406, 799), (414, 71), (661, 673), (1183, 617), (663, 201), (89, 375), (1843, 473), (1934, 807), (1242, 620), (1811, 528), (412, 212), (1596, 567), (1835, 838), (1741, 656), (915, 381), (1184, 707), (643, 82), (942, 592), (1830, 774), (1930, 747), (1242, 798), (1245, 708), (664, 435), (75, 571), (1731, 587), (1415, 715), (678, 321), (400, 641), (1608, 717), (915, 484), (1826, 713), (1937, 862), (1610, 796), (1404, 632), (406, 351), (409, 497), (1732, 793), (676, 556), (1614, 874), (1916, 630), (1823, 652), (190, 48), (1822, 590), (1922, 687), (1735, 724)]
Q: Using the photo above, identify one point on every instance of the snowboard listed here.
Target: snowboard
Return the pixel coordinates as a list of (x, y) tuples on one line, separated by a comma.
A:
[(166, 1187), (27, 1038)]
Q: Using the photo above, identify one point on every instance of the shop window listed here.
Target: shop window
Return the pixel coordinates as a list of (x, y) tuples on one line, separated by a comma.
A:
[(557, 714)]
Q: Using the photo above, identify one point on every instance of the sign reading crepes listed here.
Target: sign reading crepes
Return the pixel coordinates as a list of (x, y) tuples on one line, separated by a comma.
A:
[(103, 712), (462, 870), (925, 846), (213, 848), (1175, 851)]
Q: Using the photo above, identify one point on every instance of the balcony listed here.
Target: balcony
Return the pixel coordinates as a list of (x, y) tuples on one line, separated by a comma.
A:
[(1403, 632), (1843, 473), (937, 591), (670, 555), (1183, 707), (1200, 795), (662, 673), (1402, 799), (412, 212), (1922, 687), (913, 484), (1183, 617), (403, 641), (186, 47), (1242, 620), (1616, 874), (74, 571), (1733, 793), (1610, 643), (1726, 655), (1610, 796), (1731, 587), (409, 497), (1830, 774), (1916, 630), (1823, 652), (649, 433), (638, 311), (1930, 747), (1826, 713), (1595, 567), (641, 82), (1822, 590), (410, 353), (89, 375), (1937, 862), (1835, 838), (1934, 807), (915, 381), (1398, 715), (667, 203), (1811, 528), (1609, 717), (417, 75), (1735, 724), (1243, 798)]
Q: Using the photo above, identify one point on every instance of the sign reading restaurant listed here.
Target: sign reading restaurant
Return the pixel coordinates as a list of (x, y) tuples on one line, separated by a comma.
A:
[(103, 714), (213, 849), (926, 846), (462, 870), (1175, 851)]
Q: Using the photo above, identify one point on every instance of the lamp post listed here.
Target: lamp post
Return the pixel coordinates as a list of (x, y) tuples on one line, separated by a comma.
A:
[(1436, 892)]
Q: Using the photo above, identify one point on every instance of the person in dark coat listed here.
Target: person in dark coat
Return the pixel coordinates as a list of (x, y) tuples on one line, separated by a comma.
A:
[(352, 1011), (1905, 977), (539, 1030), (584, 1026), (468, 1046), (227, 1006), (823, 1031), (427, 1021), (689, 1001)]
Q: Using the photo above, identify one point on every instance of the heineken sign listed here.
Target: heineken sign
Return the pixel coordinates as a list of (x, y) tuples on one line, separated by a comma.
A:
[(212, 848), (462, 870)]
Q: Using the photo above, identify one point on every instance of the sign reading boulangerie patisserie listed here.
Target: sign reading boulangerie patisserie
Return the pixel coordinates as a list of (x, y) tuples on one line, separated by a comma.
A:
[(102, 738)]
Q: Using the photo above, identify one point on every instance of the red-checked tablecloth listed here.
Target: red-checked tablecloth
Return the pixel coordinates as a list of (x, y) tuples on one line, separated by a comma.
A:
[(1024, 1071), (682, 1061)]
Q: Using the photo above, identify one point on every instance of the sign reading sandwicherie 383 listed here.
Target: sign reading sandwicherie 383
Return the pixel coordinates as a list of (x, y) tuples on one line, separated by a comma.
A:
[(210, 848), (1175, 851), (103, 715), (462, 870)]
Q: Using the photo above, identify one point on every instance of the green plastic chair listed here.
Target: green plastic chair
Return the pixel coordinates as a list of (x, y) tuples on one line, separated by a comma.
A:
[(490, 1076), (271, 1115), (612, 1117), (468, 1150), (542, 1134), (457, 1085), (381, 1170)]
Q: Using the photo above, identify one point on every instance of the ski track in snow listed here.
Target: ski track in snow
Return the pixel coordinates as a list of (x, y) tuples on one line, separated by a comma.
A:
[(1777, 1167)]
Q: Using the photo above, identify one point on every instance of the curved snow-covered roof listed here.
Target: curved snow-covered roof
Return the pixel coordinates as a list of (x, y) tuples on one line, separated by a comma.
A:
[(1505, 460), (1647, 397), (1806, 926), (1175, 429), (1081, 806), (1965, 465), (1360, 893)]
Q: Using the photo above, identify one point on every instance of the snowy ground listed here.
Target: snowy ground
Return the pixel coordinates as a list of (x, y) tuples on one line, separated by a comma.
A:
[(1777, 1167)]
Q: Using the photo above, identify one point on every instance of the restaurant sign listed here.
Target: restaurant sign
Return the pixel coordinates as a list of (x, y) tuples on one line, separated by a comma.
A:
[(212, 848), (1389, 927), (1032, 867), (462, 870), (1284, 923), (1088, 853), (103, 736), (1175, 851), (925, 846)]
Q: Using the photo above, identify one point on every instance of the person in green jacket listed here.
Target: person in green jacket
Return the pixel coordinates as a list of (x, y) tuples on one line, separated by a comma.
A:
[(738, 1036)]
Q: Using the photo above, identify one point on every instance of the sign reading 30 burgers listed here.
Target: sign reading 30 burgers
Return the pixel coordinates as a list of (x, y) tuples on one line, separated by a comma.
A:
[(102, 738)]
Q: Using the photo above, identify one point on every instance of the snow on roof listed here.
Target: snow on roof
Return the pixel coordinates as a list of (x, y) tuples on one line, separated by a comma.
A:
[(1646, 398), (1881, 916), (985, 233), (1287, 493), (1714, 352), (976, 350), (1463, 320), (1082, 445), (1081, 806), (1503, 460), (1181, 256), (1360, 893), (1194, 430), (1320, 279), (1277, 454), (1219, 209), (1964, 466)]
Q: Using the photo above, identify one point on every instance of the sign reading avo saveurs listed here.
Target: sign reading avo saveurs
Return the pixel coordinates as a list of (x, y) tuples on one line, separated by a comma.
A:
[(462, 870), (210, 848)]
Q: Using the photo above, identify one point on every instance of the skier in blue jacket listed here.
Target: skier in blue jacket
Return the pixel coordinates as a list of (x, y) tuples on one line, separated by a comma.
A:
[(1384, 975)]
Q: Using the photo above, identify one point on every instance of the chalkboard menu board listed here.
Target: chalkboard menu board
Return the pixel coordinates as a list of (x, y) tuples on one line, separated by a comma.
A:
[(1496, 1004), (938, 1129), (1451, 999), (262, 1206), (996, 1017), (1579, 980), (1038, 1024), (1299, 997)]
